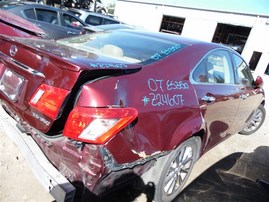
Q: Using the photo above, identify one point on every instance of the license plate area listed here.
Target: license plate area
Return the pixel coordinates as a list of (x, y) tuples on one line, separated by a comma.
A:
[(11, 84)]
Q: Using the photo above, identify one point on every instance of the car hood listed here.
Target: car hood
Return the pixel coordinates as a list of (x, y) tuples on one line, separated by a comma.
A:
[(81, 60), (17, 21)]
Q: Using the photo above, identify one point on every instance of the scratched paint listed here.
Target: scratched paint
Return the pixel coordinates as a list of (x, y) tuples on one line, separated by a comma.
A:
[(162, 99), (108, 65), (176, 85), (165, 52), (164, 93)]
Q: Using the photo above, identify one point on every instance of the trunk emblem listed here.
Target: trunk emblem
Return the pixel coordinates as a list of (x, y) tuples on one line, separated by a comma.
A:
[(13, 50)]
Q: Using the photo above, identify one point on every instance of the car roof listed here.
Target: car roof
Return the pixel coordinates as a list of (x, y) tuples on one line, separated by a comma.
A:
[(86, 12), (24, 4), (115, 26), (107, 27), (162, 44), (137, 47), (166, 36)]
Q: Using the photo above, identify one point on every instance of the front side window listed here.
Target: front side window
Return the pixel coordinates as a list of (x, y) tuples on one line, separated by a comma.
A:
[(93, 20), (216, 67), (108, 21), (244, 75), (72, 22)]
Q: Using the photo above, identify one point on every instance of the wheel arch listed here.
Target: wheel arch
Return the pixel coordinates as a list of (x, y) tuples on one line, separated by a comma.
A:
[(193, 126), (155, 174)]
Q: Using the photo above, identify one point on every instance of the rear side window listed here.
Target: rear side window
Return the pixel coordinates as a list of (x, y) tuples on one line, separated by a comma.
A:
[(72, 22), (216, 67), (244, 75), (93, 20), (30, 13), (47, 16)]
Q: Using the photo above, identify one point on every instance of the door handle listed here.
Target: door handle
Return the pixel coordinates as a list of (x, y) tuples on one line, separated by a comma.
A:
[(73, 33), (208, 99)]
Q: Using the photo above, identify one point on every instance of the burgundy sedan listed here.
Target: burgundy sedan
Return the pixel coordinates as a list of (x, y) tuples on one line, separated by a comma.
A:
[(109, 106)]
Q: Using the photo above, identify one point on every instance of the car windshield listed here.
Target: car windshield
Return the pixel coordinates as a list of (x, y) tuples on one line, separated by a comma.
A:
[(127, 46)]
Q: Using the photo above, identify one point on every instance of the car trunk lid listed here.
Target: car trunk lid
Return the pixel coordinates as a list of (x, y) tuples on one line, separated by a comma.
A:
[(37, 77)]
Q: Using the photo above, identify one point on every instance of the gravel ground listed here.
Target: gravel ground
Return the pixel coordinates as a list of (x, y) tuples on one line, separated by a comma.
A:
[(17, 181)]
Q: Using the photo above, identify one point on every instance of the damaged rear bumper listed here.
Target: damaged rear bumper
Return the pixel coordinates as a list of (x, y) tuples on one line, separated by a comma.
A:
[(92, 167), (52, 180)]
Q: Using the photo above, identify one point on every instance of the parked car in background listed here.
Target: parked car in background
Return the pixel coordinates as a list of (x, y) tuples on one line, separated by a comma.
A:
[(54, 21), (13, 25), (91, 5), (102, 28), (92, 18), (110, 107)]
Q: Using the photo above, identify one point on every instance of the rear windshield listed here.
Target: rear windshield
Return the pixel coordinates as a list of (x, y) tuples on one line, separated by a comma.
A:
[(131, 47)]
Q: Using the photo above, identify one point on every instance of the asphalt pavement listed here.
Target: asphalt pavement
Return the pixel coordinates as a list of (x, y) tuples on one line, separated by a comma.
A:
[(232, 171)]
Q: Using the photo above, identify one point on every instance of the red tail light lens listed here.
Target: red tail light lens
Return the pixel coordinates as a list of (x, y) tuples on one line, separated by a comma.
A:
[(48, 100), (97, 125)]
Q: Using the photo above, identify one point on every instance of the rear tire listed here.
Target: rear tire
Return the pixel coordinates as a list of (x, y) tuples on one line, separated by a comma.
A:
[(175, 170), (256, 121)]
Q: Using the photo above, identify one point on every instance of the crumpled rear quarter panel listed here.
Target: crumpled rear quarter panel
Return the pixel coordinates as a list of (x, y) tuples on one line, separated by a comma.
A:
[(167, 105)]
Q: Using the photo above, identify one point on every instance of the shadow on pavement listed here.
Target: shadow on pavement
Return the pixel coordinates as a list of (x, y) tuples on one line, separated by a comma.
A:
[(233, 178), (129, 191)]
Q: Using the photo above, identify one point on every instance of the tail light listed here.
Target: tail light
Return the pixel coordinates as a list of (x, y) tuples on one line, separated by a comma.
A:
[(48, 100), (97, 125)]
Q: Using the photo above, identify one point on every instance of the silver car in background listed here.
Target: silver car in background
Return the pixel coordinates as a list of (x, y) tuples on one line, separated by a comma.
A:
[(94, 19)]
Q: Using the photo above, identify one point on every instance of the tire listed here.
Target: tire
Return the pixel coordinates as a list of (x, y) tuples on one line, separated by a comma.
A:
[(255, 122), (176, 169)]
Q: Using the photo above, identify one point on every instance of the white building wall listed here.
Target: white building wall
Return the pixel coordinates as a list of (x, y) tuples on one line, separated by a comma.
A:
[(200, 24), (258, 40), (150, 16), (199, 29), (146, 16)]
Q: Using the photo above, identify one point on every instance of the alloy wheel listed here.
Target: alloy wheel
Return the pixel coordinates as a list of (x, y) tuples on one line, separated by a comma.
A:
[(178, 171), (256, 121)]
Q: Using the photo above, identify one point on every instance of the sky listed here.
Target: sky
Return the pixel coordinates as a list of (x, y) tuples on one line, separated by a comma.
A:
[(260, 7)]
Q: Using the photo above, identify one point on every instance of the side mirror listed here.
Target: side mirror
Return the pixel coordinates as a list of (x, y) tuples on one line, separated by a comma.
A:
[(258, 82)]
